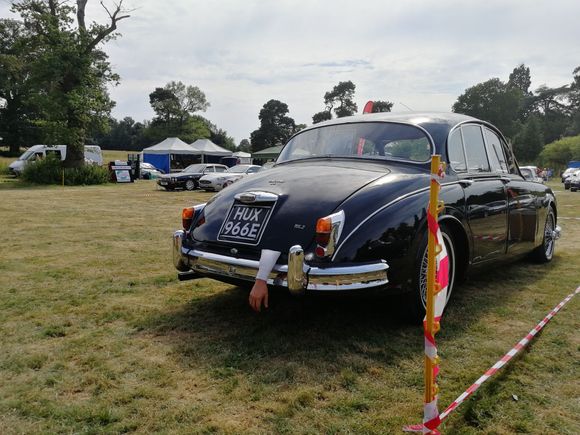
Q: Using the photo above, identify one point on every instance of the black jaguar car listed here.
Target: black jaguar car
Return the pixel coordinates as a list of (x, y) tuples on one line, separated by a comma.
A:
[(189, 177), (346, 204)]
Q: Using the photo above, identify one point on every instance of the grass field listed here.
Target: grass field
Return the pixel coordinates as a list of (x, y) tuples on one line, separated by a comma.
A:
[(98, 336)]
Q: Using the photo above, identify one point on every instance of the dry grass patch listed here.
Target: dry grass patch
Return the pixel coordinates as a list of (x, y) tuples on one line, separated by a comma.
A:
[(97, 335)]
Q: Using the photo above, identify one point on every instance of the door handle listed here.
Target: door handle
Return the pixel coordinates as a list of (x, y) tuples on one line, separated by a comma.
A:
[(466, 182), (505, 179)]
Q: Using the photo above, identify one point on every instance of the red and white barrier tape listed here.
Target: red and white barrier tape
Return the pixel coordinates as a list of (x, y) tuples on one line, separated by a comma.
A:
[(494, 369)]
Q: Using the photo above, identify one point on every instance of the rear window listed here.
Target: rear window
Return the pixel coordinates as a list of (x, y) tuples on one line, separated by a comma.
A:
[(375, 140)]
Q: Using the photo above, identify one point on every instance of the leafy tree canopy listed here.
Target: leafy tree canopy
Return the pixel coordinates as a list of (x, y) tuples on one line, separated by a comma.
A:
[(521, 79), (16, 91), (339, 99), (175, 102), (245, 146), (528, 143), (560, 152), (68, 71), (275, 126), (382, 106), (493, 101)]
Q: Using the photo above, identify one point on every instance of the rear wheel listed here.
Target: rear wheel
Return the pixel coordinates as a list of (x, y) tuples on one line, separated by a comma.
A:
[(545, 251), (190, 185), (418, 296)]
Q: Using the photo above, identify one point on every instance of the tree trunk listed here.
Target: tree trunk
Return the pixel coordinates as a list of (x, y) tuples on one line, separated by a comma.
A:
[(75, 150)]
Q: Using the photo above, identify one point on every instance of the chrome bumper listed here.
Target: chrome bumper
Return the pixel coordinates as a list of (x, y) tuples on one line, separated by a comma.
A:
[(297, 275)]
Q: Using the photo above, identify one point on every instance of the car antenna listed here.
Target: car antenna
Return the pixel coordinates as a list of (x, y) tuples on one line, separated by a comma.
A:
[(403, 104)]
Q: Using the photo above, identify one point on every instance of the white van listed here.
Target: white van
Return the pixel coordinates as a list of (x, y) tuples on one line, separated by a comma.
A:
[(93, 156)]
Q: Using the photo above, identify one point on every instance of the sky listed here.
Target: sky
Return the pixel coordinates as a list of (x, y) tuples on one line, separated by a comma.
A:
[(419, 54)]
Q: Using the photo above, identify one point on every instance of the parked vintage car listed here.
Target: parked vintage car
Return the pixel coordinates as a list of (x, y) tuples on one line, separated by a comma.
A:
[(530, 173), (574, 181), (149, 172), (189, 177), (569, 177), (346, 203), (567, 173), (216, 182)]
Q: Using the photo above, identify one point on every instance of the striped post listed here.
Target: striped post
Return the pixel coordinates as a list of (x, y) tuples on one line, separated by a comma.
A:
[(437, 281)]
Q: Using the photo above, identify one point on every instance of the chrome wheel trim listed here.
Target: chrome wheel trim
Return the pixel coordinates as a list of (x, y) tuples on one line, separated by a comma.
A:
[(549, 239), (423, 271), (190, 185)]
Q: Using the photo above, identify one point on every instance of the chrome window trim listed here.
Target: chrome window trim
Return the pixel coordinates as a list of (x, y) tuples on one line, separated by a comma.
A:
[(487, 149), (463, 151)]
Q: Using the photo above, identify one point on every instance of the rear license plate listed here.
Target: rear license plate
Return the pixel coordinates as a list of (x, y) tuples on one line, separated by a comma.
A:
[(245, 224)]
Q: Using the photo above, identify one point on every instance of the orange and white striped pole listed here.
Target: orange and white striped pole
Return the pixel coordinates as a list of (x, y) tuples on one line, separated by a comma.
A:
[(437, 280)]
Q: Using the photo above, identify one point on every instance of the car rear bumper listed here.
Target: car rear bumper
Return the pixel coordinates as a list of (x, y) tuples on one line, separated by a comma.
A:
[(297, 276)]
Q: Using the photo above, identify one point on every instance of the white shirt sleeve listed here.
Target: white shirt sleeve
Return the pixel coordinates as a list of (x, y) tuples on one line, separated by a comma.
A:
[(268, 260)]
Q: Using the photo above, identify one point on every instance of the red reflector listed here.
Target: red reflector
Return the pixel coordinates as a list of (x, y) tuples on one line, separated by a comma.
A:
[(319, 251), (323, 238)]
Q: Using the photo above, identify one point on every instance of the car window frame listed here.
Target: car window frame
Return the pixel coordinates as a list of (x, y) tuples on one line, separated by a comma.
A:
[(487, 146), (457, 130), (468, 171)]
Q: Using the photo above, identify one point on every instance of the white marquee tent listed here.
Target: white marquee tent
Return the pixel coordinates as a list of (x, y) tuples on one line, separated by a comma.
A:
[(206, 147), (159, 155)]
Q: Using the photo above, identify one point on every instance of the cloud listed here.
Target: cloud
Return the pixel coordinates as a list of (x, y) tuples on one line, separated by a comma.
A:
[(417, 52)]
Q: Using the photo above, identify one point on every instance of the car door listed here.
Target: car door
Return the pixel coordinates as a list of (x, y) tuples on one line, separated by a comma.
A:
[(485, 193), (522, 195)]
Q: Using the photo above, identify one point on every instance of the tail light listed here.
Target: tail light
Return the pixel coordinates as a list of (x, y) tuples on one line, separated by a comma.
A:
[(328, 231), (189, 214)]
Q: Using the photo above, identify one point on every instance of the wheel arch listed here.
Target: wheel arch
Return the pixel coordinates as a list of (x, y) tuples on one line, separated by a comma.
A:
[(461, 242)]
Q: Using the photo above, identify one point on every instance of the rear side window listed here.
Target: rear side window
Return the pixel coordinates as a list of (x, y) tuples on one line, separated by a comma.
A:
[(220, 169), (495, 152), (475, 149), (55, 153), (455, 152)]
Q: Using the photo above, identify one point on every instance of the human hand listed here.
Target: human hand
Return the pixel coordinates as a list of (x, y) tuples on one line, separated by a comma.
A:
[(258, 295)]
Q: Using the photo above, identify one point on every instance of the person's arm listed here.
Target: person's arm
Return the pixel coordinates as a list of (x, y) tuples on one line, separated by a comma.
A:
[(259, 293)]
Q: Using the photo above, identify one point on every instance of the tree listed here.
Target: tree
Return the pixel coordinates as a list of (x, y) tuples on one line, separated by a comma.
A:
[(220, 137), (382, 106), (68, 69), (529, 142), (15, 90), (164, 104), (340, 99), (175, 102), (492, 101), (275, 126), (176, 105), (560, 152), (245, 146), (125, 134), (520, 78), (324, 115), (574, 98), (551, 104)]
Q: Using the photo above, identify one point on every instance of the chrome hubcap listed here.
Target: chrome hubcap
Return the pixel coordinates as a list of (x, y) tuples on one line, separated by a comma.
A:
[(549, 236)]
